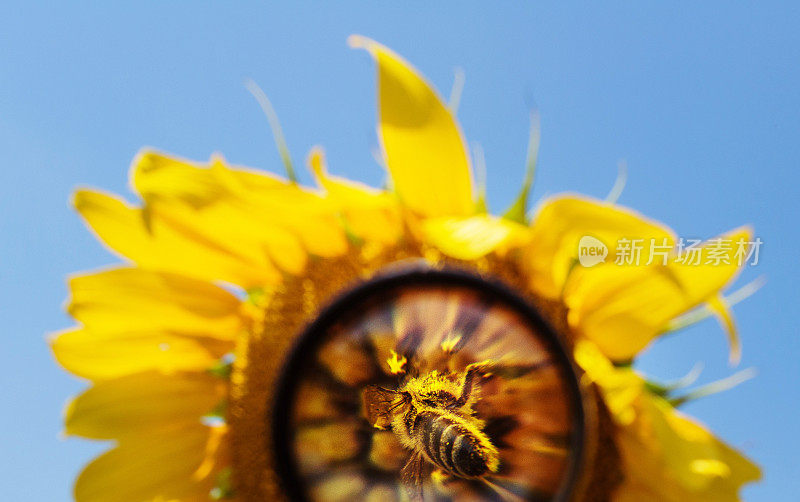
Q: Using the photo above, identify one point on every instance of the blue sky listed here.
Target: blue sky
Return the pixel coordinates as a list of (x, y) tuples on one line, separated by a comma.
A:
[(700, 100)]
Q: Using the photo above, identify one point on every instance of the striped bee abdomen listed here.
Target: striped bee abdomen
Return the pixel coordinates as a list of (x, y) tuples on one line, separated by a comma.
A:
[(452, 445)]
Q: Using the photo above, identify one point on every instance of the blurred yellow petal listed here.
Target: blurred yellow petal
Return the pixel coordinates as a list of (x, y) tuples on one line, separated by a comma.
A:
[(370, 214), (263, 243), (667, 457), (424, 148), (150, 243), (227, 206), (562, 221), (339, 188), (156, 175), (622, 386), (473, 237), (622, 309), (101, 356), (130, 299), (143, 403), (135, 320), (696, 457), (158, 466), (701, 281)]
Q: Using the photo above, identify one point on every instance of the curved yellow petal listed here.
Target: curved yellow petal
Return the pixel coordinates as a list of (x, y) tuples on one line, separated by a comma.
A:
[(473, 237), (621, 386), (134, 234), (622, 309), (423, 146), (232, 206), (143, 403), (562, 221), (667, 457), (670, 458), (696, 457), (157, 466), (135, 320), (156, 175), (370, 214), (102, 356), (716, 479), (131, 299)]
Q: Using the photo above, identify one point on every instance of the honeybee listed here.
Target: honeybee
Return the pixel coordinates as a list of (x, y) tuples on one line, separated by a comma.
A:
[(433, 416)]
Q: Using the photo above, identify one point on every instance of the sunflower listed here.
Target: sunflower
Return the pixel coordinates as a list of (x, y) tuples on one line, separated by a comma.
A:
[(223, 265)]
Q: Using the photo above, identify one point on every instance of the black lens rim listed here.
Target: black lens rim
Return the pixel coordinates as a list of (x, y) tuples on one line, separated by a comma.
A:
[(313, 335)]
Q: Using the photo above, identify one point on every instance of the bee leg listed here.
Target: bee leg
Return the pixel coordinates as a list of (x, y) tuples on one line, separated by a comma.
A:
[(411, 474), (474, 372), (484, 368)]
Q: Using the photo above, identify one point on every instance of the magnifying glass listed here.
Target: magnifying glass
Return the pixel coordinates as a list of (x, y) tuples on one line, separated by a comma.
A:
[(428, 384)]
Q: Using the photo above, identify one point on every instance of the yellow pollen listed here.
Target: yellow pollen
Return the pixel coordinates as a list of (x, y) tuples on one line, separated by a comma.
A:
[(396, 363), (449, 344)]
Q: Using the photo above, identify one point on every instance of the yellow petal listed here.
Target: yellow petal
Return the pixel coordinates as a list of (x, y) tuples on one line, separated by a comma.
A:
[(158, 466), (648, 479), (340, 188), (622, 309), (424, 148), (225, 205), (150, 243), (102, 356), (473, 237), (370, 214), (694, 455), (560, 224), (135, 320), (666, 456), (143, 403), (156, 176), (622, 386), (670, 458), (130, 299)]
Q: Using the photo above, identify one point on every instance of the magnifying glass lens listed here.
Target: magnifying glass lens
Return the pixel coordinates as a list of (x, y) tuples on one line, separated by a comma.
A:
[(428, 386)]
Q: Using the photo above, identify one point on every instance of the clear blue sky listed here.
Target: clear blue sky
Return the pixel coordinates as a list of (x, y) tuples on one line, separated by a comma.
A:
[(701, 100)]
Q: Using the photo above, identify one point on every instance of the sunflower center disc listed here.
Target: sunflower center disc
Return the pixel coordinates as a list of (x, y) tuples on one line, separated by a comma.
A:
[(428, 385)]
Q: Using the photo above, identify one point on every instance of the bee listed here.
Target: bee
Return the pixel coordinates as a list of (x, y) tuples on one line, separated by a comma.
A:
[(432, 415)]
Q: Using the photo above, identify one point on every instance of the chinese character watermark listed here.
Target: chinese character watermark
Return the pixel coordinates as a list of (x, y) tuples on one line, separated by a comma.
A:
[(688, 252)]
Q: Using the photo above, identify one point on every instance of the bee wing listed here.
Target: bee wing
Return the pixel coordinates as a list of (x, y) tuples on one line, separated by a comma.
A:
[(377, 404), (412, 477), (504, 493)]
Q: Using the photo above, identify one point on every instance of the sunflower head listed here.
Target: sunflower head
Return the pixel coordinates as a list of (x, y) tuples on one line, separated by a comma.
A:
[(254, 346)]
